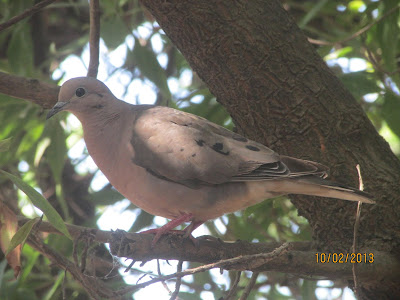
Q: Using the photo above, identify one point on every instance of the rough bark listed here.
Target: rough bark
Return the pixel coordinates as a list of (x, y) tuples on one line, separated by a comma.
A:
[(278, 90), (39, 92)]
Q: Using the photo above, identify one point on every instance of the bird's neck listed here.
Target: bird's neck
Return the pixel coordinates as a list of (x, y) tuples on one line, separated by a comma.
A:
[(103, 126), (96, 119)]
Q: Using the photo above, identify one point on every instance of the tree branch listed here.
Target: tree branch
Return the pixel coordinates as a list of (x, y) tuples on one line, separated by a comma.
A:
[(299, 260), (33, 90), (94, 38), (91, 284)]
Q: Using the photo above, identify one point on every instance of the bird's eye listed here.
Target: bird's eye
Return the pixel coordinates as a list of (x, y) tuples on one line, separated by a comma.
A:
[(80, 92)]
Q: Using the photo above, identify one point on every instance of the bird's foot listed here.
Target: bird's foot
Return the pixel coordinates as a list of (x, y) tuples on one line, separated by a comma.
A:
[(168, 228)]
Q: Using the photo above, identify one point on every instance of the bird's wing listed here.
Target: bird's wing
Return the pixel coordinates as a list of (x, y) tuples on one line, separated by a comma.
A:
[(190, 150)]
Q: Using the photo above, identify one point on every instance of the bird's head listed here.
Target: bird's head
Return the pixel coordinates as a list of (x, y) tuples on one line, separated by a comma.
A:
[(81, 95)]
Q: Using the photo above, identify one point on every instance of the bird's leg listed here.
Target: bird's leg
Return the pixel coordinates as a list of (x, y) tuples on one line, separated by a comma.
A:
[(189, 229), (170, 225)]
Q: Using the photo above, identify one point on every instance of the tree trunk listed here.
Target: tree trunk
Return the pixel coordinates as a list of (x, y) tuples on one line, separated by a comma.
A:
[(279, 92)]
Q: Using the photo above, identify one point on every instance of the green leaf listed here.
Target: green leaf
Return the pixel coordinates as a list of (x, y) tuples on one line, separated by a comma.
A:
[(21, 235), (106, 196), (3, 265), (40, 202), (312, 13), (391, 111), (49, 295), (355, 5), (57, 150), (388, 34), (146, 61), (143, 220), (41, 147), (113, 32), (360, 83), (20, 50), (31, 257), (5, 145)]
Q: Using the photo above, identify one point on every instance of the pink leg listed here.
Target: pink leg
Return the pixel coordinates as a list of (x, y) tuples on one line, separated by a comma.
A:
[(189, 229), (192, 227), (170, 225)]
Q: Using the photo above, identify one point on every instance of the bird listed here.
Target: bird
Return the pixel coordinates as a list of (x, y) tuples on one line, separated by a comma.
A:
[(181, 166)]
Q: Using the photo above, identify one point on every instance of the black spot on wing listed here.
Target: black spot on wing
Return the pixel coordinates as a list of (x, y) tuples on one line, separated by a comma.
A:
[(219, 147), (252, 148), (200, 142)]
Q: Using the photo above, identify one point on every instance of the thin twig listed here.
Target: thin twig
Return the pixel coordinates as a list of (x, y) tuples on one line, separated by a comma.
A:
[(371, 58), (249, 286), (27, 13), (264, 257), (88, 241), (178, 281), (91, 285), (355, 234), (94, 38), (234, 286), (358, 33), (159, 274)]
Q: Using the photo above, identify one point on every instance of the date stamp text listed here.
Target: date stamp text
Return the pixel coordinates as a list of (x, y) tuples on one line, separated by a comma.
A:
[(343, 258)]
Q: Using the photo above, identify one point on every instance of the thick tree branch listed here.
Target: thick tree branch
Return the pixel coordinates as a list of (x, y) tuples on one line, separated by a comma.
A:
[(38, 92), (299, 260)]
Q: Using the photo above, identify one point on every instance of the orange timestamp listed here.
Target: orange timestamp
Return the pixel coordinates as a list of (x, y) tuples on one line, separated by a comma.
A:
[(343, 258)]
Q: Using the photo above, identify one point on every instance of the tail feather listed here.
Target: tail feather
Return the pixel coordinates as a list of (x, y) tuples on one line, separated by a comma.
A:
[(315, 186)]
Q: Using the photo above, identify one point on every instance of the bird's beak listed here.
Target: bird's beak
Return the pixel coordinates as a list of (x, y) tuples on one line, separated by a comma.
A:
[(56, 108)]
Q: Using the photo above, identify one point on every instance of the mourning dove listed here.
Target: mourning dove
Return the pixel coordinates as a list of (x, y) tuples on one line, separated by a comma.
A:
[(183, 167)]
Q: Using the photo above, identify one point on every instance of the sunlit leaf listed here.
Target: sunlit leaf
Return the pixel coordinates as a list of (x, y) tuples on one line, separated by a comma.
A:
[(21, 235), (40, 202), (40, 149)]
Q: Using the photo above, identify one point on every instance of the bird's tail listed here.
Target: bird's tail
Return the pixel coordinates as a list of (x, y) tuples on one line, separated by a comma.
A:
[(315, 186)]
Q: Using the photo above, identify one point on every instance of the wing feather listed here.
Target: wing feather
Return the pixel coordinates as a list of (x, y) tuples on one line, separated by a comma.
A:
[(190, 150)]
